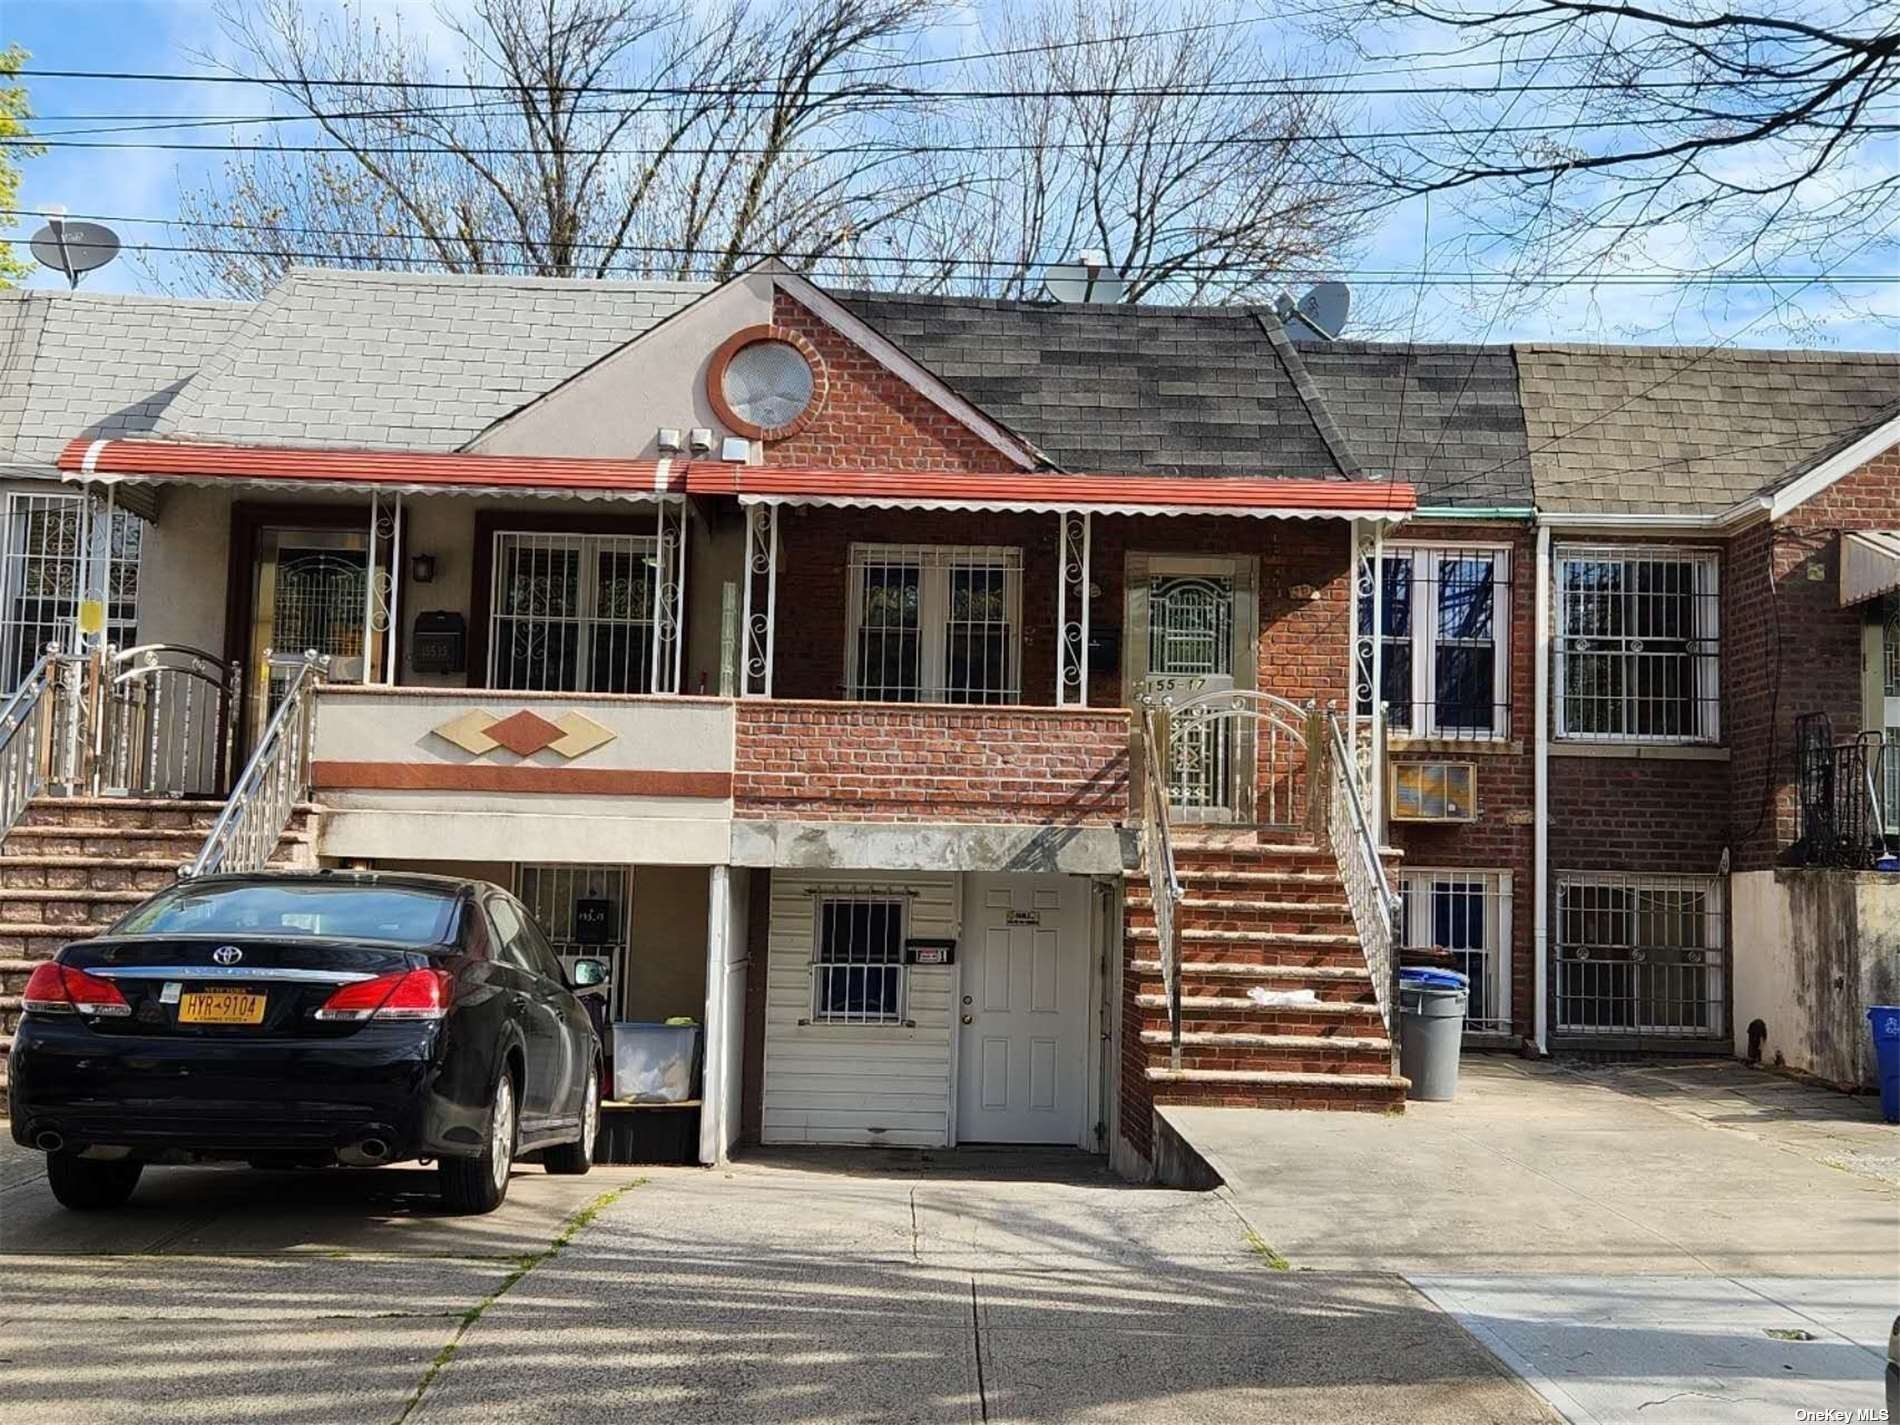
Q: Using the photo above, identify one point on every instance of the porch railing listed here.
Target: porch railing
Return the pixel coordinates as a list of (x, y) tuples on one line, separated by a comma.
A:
[(24, 723), (167, 722), (1164, 884), (274, 782), (1841, 795), (1374, 904), (1232, 754)]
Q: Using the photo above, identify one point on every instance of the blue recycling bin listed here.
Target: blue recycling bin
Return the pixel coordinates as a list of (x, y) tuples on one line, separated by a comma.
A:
[(1884, 1021)]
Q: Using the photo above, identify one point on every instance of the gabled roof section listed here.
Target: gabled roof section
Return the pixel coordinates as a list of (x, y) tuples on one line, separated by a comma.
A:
[(1688, 430), (96, 364), (1154, 390), (1875, 436), (377, 360)]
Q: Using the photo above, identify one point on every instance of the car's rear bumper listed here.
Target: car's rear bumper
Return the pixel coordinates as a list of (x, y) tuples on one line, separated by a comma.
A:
[(164, 1097)]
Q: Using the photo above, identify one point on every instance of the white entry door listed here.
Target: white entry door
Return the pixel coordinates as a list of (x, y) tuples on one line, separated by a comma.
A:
[(1022, 1061)]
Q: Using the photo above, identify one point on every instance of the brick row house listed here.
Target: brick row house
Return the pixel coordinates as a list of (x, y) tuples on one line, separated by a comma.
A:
[(989, 720)]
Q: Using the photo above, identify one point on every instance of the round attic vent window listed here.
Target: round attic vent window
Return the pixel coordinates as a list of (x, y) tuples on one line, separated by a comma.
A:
[(768, 384)]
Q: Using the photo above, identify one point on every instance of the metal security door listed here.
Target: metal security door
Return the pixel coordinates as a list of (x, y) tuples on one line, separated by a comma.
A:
[(1194, 630), (311, 592), (1890, 709), (582, 909), (1022, 1075)]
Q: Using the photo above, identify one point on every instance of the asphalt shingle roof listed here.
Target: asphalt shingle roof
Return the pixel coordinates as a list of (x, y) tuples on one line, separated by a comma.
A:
[(1158, 390), (96, 364), (1219, 390), (1686, 430), (372, 360)]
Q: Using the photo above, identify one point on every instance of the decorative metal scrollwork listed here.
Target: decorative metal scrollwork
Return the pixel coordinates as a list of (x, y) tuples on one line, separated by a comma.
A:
[(760, 594)]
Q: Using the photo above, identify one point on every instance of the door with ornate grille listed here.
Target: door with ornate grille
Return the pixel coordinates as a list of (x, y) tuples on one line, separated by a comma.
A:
[(1191, 630), (311, 591)]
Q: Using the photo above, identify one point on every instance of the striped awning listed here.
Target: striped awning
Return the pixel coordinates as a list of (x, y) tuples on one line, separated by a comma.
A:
[(1870, 564)]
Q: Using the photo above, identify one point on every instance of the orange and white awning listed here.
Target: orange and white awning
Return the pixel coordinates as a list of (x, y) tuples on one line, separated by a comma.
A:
[(1036, 491)]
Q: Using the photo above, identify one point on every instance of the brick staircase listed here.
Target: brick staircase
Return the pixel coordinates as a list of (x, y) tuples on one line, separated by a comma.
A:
[(1272, 914), (73, 865)]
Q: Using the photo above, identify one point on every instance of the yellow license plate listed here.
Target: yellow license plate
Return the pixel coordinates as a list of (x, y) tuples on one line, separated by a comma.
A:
[(221, 1007)]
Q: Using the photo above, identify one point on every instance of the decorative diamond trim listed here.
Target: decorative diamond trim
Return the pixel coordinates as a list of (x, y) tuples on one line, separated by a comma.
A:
[(525, 733)]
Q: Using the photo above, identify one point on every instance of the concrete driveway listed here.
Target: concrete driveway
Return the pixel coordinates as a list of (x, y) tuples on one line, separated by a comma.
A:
[(1687, 1243), (803, 1287)]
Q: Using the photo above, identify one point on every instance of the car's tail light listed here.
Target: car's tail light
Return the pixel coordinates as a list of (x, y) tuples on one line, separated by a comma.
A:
[(405, 994), (61, 989)]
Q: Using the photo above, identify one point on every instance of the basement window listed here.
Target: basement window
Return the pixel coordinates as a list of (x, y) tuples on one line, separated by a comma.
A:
[(857, 970), (1466, 914), (935, 624)]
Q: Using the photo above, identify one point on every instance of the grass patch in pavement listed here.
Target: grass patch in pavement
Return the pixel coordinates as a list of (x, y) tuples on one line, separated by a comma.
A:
[(571, 1228), (1267, 1252)]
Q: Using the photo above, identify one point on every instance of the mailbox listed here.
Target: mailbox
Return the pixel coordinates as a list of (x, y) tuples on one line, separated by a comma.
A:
[(440, 643)]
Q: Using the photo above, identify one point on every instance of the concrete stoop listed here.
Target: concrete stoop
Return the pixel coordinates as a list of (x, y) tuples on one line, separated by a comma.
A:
[(74, 865)]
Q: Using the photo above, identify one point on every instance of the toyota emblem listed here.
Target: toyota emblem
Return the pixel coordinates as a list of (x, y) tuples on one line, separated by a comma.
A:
[(227, 954)]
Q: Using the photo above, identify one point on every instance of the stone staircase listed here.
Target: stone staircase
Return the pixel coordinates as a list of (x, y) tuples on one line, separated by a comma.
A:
[(73, 865), (1268, 913)]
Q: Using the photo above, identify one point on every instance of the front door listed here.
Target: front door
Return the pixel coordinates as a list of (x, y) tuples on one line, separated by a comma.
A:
[(310, 592), (1022, 1060), (1192, 626)]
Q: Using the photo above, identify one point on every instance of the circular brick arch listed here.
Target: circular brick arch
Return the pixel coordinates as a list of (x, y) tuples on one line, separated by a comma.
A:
[(752, 336)]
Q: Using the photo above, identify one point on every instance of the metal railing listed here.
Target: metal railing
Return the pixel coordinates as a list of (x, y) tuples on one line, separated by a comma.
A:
[(1840, 796), (167, 721), (24, 725), (1232, 754), (274, 782), (1164, 884), (1374, 904)]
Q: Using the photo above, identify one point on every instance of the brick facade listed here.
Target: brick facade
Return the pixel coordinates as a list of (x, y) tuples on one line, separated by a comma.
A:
[(1793, 647), (881, 762)]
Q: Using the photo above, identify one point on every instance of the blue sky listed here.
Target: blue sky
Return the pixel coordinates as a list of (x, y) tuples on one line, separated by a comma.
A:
[(171, 35)]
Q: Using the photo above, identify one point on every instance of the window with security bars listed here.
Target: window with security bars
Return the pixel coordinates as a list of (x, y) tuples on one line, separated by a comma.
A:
[(857, 968), (1638, 645), (1466, 914), (573, 612), (44, 573), (1640, 955), (935, 624), (582, 909), (1444, 646)]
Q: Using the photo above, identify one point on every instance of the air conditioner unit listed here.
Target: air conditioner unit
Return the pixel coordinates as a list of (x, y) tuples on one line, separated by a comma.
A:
[(1434, 791)]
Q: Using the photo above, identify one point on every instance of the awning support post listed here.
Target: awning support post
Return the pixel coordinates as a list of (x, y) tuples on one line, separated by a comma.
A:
[(669, 593), (760, 587), (1072, 611)]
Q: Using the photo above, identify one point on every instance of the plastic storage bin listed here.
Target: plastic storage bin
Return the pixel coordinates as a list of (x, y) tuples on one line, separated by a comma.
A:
[(655, 1063)]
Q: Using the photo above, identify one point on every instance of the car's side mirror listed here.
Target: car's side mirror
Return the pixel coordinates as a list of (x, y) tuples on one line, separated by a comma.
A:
[(585, 974)]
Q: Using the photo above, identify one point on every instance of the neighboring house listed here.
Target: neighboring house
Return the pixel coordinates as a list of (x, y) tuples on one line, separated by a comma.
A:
[(797, 650)]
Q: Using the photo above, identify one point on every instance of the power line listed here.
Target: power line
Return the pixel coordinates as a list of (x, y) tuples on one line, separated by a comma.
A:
[(866, 147), (851, 265), (1290, 86)]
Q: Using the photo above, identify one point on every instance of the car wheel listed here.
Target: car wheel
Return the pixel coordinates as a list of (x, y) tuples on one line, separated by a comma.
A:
[(477, 1185), (573, 1159), (87, 1184)]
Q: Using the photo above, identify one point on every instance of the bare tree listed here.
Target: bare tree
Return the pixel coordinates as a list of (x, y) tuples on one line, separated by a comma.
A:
[(1184, 155), (569, 138), (1591, 136)]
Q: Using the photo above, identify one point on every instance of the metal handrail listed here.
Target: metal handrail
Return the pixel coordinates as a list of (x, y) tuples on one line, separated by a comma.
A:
[(23, 759), (1164, 883), (274, 782), (1375, 905)]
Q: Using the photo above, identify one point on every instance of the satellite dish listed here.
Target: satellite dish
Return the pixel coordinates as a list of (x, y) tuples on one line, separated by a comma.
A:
[(1088, 279), (74, 248), (1322, 310)]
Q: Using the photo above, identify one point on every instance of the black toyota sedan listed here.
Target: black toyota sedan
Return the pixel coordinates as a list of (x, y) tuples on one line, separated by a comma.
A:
[(308, 1019)]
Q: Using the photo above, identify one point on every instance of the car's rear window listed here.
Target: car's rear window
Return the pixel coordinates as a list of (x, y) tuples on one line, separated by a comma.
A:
[(408, 915)]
